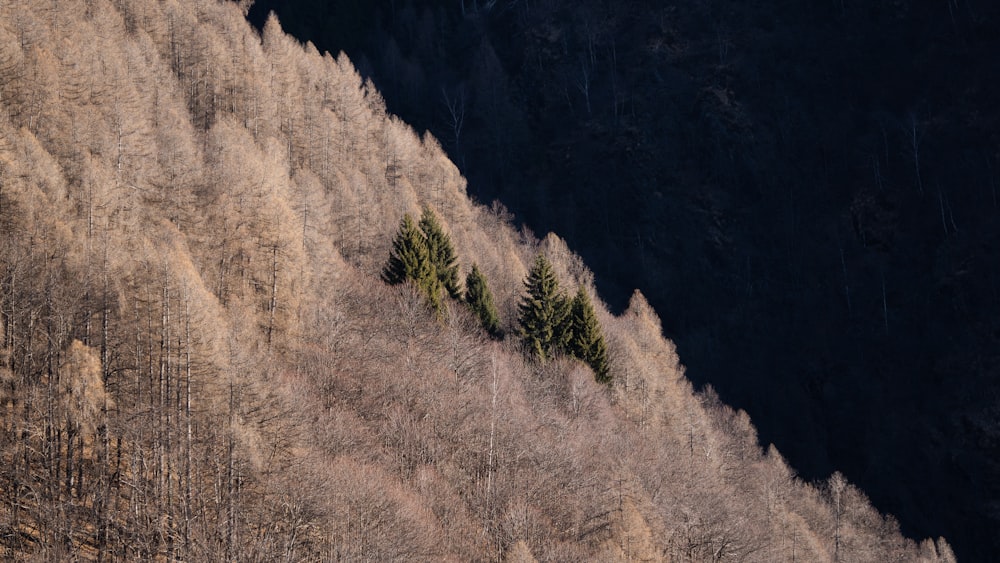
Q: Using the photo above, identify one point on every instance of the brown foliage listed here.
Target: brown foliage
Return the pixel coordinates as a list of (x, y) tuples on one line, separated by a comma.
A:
[(198, 361)]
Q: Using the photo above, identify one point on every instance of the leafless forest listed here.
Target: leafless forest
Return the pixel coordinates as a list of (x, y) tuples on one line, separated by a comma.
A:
[(199, 361)]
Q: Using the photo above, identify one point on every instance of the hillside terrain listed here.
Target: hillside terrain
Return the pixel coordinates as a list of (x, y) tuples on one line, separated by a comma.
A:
[(805, 192), (200, 360)]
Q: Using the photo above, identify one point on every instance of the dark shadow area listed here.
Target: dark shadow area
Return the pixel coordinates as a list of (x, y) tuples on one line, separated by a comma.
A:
[(806, 192)]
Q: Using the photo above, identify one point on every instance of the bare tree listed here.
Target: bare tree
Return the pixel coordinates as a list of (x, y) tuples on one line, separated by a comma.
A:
[(454, 105)]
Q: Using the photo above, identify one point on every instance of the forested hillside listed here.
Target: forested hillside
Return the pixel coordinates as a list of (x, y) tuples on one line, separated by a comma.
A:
[(201, 359), (805, 191)]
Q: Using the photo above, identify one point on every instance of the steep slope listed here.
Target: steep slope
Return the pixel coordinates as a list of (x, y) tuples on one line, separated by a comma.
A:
[(824, 172), (199, 361)]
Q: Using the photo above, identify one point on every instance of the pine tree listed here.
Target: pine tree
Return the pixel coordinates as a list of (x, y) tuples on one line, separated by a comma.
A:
[(480, 300), (586, 341), (410, 260), (441, 252), (543, 310)]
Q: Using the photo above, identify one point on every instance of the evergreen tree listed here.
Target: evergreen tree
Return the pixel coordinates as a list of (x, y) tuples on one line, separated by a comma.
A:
[(480, 300), (543, 310), (586, 341), (410, 260), (441, 252)]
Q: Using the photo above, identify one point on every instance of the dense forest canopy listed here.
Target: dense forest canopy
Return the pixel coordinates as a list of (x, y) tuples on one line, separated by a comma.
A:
[(200, 360)]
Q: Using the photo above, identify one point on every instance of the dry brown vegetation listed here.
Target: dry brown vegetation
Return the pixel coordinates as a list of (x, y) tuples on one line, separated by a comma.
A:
[(200, 363)]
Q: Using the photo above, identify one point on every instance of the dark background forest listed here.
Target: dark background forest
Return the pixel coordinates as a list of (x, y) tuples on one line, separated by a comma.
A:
[(805, 192)]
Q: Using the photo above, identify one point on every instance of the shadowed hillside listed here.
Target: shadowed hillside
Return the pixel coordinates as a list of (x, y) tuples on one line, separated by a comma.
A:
[(200, 361)]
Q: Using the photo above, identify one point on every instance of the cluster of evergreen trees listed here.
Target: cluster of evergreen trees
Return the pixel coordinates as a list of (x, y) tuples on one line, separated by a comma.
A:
[(423, 254), (550, 322)]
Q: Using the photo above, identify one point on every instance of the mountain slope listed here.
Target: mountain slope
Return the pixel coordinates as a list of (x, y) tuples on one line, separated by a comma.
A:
[(199, 361), (804, 190)]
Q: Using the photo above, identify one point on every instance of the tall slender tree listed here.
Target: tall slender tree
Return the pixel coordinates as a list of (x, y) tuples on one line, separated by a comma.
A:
[(442, 252), (586, 340), (480, 300), (543, 310)]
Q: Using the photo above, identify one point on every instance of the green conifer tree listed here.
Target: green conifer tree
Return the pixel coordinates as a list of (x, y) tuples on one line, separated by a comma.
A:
[(543, 310), (480, 300), (410, 260), (586, 341), (442, 253)]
